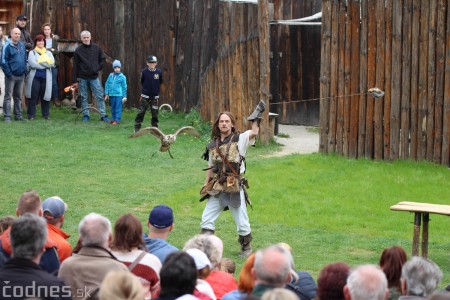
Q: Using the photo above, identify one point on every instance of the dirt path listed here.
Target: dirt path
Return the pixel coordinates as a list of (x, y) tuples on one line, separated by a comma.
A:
[(300, 140)]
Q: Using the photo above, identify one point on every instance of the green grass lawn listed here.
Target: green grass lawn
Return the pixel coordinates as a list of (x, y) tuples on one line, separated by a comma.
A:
[(328, 208)]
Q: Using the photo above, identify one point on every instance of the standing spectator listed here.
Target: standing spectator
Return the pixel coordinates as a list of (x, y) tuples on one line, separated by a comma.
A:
[(54, 212), (120, 285), (116, 91), (151, 79), (30, 202), (51, 43), (25, 38), (391, 262), (271, 270), (85, 271), (2, 75), (331, 281), (88, 62), (21, 277), (160, 225), (14, 65), (39, 79), (129, 248), (224, 183), (366, 282), (178, 276), (420, 278)]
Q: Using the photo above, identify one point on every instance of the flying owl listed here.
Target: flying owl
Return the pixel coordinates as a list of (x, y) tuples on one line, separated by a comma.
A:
[(166, 139)]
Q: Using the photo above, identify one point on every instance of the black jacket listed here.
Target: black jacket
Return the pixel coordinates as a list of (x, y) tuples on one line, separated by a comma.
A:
[(35, 282), (88, 62)]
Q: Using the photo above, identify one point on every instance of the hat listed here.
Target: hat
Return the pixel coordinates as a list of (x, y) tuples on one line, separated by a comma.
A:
[(200, 258), (117, 63), (55, 206), (161, 216), (21, 17), (152, 58)]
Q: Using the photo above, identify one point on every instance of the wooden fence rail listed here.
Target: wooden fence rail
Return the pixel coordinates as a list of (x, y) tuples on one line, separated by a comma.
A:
[(401, 47)]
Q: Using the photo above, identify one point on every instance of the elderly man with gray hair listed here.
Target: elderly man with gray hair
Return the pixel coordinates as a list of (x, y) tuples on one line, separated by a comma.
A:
[(366, 282), (272, 269), (85, 271), (420, 278), (21, 277)]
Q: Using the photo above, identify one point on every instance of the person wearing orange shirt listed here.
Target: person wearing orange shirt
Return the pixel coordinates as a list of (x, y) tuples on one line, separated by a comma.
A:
[(54, 209)]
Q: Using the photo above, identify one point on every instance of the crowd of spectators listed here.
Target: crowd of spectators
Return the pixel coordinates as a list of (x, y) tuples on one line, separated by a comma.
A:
[(37, 262)]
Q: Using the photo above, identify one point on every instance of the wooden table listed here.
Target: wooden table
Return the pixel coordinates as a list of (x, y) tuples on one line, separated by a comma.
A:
[(421, 212)]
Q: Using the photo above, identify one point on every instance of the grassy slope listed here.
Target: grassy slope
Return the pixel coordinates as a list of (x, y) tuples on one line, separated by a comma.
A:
[(327, 208)]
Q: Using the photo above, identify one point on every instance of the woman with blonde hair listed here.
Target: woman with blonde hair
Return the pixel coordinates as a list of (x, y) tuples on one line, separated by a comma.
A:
[(51, 43), (121, 285)]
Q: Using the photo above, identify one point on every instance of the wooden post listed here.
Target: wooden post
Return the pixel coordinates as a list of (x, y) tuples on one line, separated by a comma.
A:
[(325, 76), (416, 235), (264, 65), (425, 219)]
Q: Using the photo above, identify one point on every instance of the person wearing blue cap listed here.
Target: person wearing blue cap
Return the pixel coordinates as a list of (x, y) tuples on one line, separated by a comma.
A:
[(54, 213), (116, 91), (151, 80), (160, 224)]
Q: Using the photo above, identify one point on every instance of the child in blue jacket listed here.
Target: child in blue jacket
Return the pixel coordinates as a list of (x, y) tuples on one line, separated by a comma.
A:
[(116, 91)]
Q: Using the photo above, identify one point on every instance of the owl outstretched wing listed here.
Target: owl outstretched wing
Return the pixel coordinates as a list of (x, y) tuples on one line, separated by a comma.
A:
[(148, 130), (189, 130)]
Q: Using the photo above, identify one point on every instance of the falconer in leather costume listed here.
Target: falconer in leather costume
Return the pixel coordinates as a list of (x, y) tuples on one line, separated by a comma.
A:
[(226, 186)]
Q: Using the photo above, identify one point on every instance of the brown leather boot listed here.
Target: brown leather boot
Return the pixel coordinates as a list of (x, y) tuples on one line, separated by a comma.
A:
[(246, 247), (57, 102)]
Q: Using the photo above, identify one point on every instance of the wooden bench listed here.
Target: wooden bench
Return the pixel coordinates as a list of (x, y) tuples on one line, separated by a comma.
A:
[(421, 213)]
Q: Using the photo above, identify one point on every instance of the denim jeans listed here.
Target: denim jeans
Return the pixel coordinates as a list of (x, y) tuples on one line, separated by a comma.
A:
[(55, 92), (97, 90), (116, 108), (13, 89)]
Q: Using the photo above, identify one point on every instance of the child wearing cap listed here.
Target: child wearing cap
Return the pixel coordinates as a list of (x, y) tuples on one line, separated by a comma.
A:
[(116, 91), (151, 80)]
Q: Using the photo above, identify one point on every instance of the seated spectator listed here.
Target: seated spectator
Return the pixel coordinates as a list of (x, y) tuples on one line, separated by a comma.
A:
[(160, 225), (331, 281), (391, 262), (30, 202), (178, 277), (202, 290), (119, 285), (22, 274), (54, 212), (420, 278), (271, 270), (221, 282), (439, 296), (5, 222), (129, 247), (279, 294), (366, 282), (85, 271), (245, 283), (302, 283), (227, 265)]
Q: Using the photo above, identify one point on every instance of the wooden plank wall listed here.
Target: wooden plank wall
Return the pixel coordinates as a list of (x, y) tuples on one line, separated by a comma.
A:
[(232, 81), (295, 63), (401, 47)]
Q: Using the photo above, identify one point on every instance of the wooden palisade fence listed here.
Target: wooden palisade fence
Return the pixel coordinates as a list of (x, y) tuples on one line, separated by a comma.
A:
[(401, 47)]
